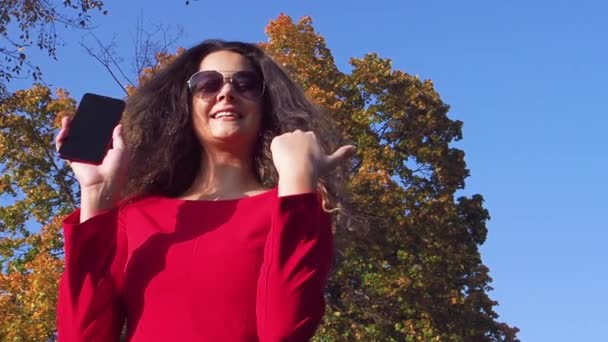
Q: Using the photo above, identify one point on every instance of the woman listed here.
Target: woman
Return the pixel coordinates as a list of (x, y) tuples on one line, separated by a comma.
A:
[(203, 223)]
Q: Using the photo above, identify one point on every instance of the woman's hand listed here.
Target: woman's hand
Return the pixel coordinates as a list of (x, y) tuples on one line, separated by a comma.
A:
[(100, 184), (300, 161)]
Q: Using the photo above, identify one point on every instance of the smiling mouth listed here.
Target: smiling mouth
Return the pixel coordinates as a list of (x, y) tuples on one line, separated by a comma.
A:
[(221, 115)]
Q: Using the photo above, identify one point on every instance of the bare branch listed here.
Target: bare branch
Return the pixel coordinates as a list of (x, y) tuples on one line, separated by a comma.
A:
[(32, 23), (105, 64), (146, 46)]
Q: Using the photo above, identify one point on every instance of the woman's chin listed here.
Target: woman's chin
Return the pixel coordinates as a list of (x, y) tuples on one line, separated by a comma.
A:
[(232, 137), (227, 135)]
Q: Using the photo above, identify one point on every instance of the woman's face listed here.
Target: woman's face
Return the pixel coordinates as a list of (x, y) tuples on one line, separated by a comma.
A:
[(228, 117)]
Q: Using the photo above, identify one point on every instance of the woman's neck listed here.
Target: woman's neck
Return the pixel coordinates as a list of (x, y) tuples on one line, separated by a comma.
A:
[(224, 175)]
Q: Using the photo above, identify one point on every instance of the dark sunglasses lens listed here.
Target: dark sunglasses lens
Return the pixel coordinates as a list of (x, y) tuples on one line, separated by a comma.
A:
[(247, 83), (207, 83)]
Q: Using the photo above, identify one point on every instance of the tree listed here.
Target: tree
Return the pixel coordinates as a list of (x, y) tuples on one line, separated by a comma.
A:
[(414, 273), (39, 190), (34, 22), (408, 265)]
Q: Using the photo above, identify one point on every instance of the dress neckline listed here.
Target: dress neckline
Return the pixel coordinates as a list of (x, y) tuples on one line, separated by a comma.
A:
[(268, 192)]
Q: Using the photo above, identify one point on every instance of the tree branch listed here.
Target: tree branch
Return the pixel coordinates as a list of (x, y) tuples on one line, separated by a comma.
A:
[(105, 65)]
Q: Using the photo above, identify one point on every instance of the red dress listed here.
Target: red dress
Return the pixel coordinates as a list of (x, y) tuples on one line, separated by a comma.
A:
[(249, 269)]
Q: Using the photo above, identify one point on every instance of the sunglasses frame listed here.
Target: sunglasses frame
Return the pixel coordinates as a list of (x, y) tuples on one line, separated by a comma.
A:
[(226, 79)]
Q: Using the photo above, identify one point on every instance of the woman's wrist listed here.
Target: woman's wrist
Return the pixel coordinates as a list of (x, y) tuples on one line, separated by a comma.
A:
[(297, 183), (94, 200)]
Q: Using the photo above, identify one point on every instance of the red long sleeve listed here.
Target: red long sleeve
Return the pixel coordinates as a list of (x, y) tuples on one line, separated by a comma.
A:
[(297, 259), (89, 304), (244, 270)]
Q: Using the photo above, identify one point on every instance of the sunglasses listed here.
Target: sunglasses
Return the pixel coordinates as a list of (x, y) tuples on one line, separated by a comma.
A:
[(208, 83)]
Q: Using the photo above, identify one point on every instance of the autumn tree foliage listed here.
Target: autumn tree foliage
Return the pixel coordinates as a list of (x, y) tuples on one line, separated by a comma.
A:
[(408, 266), (36, 190), (413, 272)]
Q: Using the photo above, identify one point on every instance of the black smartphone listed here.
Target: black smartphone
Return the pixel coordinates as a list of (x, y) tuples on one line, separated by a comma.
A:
[(90, 133)]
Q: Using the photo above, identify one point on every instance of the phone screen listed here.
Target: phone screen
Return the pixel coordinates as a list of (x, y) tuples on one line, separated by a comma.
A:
[(90, 133)]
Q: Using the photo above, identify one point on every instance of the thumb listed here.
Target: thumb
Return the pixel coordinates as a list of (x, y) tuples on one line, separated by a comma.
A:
[(340, 155), (117, 139)]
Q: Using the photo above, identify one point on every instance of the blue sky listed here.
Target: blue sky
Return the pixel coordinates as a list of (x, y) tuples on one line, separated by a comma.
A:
[(528, 78)]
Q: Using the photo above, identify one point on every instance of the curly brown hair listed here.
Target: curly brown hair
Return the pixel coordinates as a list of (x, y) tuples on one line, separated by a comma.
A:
[(165, 152)]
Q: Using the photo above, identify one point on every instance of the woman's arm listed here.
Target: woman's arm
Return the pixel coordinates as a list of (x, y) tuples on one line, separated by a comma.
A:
[(297, 260), (298, 250), (90, 305)]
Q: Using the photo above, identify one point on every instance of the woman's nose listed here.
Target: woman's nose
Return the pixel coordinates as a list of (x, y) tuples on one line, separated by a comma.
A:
[(227, 91)]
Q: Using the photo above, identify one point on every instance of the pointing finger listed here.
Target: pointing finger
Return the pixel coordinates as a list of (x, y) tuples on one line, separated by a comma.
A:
[(340, 155)]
